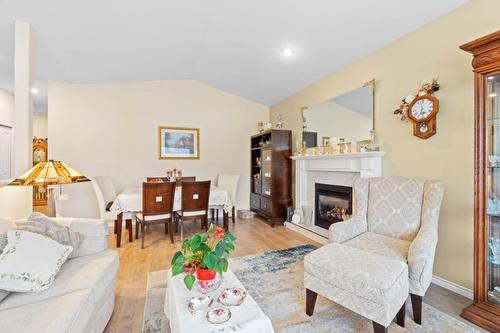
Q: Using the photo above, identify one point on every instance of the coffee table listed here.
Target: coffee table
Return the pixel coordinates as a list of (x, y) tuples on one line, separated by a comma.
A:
[(247, 317)]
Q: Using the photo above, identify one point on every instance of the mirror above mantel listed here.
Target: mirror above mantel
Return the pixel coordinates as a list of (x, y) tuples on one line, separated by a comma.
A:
[(348, 117)]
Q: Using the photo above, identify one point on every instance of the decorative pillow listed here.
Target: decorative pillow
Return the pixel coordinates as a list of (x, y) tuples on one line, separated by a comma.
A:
[(5, 226), (41, 224), (30, 262)]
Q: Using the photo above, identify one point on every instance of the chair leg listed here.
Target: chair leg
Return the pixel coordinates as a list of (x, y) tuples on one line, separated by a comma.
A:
[(234, 215), (116, 227), (136, 229), (166, 227), (400, 316), (416, 304), (129, 227), (142, 234), (217, 212), (377, 328), (205, 220), (170, 230), (182, 228), (310, 301)]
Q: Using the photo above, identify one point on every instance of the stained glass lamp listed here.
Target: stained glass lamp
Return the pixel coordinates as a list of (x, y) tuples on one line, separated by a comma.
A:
[(50, 173)]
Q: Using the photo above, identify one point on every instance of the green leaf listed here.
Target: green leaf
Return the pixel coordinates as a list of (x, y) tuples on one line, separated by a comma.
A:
[(195, 242), (177, 269), (230, 236), (189, 281), (220, 248), (185, 245), (222, 265), (229, 245), (204, 237), (210, 260), (202, 248), (177, 258)]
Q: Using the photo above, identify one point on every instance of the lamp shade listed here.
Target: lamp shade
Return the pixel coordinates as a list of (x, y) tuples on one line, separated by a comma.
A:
[(50, 173)]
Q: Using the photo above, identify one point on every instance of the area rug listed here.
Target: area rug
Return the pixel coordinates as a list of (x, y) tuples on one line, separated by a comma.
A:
[(275, 280)]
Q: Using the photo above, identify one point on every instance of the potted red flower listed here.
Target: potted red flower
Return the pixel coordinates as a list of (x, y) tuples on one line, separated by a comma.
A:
[(205, 255)]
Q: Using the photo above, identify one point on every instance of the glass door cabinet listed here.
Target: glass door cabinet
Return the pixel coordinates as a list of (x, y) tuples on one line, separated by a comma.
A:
[(485, 310)]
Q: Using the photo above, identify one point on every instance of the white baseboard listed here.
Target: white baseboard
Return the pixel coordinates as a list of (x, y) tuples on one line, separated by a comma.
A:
[(458, 289)]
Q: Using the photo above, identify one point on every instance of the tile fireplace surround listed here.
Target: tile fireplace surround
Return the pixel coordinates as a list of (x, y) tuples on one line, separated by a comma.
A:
[(336, 169)]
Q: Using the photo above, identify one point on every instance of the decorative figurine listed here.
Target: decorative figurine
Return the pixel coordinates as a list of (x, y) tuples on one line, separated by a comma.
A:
[(279, 124)]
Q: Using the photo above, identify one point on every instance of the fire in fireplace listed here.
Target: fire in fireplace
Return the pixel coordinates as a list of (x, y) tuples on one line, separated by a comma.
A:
[(333, 203)]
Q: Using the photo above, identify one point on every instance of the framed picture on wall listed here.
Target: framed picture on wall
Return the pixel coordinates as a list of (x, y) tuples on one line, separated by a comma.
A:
[(177, 143), (325, 141)]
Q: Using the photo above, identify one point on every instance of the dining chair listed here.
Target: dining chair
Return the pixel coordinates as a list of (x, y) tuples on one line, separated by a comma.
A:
[(230, 184), (194, 201), (108, 194), (166, 179), (185, 179), (157, 208)]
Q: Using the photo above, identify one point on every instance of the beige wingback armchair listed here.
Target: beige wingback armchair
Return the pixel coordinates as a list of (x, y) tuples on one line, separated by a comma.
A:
[(397, 218)]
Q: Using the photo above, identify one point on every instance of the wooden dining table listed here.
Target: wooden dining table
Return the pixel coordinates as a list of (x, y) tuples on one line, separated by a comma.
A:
[(129, 202)]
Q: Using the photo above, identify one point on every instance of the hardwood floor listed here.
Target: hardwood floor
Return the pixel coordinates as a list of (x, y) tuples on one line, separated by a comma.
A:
[(254, 236)]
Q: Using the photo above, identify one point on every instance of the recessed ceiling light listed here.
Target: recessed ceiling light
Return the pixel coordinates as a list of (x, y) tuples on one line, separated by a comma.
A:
[(491, 77), (288, 52), (34, 91)]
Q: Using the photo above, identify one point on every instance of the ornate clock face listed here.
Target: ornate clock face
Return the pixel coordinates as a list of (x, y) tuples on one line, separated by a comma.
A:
[(422, 108)]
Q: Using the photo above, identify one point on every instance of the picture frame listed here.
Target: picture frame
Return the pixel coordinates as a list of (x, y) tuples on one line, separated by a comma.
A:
[(325, 141), (178, 143)]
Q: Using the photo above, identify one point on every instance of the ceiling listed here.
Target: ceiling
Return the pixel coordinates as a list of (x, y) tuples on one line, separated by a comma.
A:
[(234, 45)]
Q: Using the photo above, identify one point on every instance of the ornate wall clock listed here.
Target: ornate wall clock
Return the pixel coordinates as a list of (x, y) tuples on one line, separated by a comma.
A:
[(422, 112)]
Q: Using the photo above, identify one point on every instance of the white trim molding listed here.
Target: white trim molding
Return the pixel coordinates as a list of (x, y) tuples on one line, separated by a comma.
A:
[(456, 288)]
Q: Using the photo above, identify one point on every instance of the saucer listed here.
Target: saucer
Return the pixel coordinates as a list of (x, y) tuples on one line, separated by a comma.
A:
[(218, 315)]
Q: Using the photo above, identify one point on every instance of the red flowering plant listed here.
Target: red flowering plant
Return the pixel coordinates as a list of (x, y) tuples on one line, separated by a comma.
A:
[(204, 254)]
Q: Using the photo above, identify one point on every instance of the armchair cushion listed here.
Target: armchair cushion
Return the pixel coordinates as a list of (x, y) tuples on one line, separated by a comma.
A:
[(381, 245), (395, 206)]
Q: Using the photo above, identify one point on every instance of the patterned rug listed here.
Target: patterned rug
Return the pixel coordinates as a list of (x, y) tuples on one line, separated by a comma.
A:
[(275, 280)]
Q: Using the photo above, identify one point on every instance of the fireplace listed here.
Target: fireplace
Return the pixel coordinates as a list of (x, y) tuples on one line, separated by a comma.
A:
[(332, 204)]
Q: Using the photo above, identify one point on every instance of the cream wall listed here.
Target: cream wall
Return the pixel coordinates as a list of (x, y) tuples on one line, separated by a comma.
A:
[(40, 126), (113, 129), (331, 119), (429, 52), (15, 201), (6, 108)]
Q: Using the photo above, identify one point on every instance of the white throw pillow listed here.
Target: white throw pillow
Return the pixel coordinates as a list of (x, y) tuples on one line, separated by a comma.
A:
[(5, 226), (30, 262)]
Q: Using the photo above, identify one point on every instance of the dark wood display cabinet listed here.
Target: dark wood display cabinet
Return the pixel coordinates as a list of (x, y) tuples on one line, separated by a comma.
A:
[(271, 171), (485, 310)]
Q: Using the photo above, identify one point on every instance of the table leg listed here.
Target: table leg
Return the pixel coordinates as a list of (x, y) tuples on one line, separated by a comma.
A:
[(225, 219), (129, 224), (119, 221)]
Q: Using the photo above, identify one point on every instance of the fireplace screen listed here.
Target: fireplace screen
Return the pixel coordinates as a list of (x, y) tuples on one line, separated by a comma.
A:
[(333, 204)]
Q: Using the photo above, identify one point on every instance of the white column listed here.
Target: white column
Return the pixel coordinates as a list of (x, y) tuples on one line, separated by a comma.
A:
[(23, 103), (17, 201)]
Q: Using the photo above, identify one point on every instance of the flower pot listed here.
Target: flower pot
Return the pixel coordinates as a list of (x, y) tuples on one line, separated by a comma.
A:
[(205, 274)]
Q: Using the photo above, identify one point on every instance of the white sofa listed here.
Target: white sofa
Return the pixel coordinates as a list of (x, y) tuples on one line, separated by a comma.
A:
[(82, 296)]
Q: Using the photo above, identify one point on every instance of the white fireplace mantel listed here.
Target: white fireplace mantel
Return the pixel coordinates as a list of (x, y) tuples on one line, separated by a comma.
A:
[(367, 164), (334, 169)]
